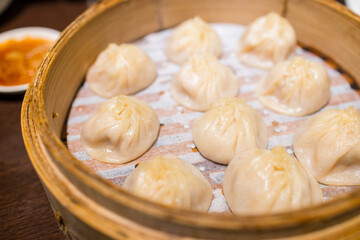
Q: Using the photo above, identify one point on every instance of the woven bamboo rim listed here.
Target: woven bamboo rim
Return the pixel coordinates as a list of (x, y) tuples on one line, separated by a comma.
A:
[(47, 152)]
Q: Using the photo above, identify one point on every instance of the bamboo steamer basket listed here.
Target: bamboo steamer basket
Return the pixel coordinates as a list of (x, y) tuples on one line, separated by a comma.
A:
[(89, 207)]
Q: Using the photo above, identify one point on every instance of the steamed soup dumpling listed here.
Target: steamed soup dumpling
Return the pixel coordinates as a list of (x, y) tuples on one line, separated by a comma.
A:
[(170, 181), (230, 127), (190, 37), (120, 69), (295, 88), (328, 145), (268, 40), (203, 80), (260, 181), (121, 130)]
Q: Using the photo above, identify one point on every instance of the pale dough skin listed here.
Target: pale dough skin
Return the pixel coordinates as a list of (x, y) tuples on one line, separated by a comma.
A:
[(121, 130), (295, 88), (170, 181), (230, 127), (191, 37), (328, 146), (260, 181), (120, 69), (201, 81), (268, 40)]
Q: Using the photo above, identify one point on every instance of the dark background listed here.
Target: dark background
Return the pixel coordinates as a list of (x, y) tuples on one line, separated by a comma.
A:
[(25, 212), (24, 209)]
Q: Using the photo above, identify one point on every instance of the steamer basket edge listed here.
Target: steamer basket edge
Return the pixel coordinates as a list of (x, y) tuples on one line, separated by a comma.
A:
[(49, 155)]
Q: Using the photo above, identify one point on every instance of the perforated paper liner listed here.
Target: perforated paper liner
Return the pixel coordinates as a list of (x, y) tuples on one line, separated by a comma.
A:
[(175, 133)]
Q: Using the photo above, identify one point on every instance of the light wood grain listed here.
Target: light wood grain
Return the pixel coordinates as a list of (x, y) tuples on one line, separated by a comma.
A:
[(241, 12), (91, 208), (330, 28)]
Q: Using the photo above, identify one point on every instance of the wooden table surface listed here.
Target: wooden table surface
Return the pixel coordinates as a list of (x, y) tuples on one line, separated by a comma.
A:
[(25, 212)]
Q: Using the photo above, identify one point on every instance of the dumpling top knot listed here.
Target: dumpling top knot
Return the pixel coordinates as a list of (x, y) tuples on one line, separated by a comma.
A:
[(170, 181), (260, 181), (190, 37), (328, 145), (295, 88), (123, 107), (120, 69), (348, 120), (230, 125), (121, 130), (268, 40), (203, 80)]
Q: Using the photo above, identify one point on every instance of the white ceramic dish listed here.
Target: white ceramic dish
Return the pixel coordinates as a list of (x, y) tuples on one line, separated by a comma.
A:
[(353, 5), (18, 34)]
